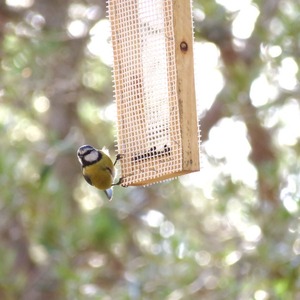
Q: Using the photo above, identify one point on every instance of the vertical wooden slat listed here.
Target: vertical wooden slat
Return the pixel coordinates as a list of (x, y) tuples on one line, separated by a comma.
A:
[(183, 32)]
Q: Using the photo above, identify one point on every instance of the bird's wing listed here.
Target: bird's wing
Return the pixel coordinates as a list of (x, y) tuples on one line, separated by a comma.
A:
[(88, 179)]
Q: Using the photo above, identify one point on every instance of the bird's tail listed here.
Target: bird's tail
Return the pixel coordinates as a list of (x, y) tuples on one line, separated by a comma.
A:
[(109, 193)]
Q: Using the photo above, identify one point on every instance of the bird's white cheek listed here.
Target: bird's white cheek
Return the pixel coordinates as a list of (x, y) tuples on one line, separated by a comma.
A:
[(91, 157)]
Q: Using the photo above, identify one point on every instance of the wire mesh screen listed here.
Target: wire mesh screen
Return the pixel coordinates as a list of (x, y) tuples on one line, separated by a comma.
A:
[(148, 122)]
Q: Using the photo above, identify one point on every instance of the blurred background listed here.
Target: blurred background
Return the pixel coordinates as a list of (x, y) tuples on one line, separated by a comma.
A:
[(230, 231)]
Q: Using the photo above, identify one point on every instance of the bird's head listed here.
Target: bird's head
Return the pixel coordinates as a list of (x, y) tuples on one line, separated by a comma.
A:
[(88, 155)]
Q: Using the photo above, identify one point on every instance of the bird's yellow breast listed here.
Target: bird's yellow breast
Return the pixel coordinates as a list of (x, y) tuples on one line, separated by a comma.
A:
[(100, 174)]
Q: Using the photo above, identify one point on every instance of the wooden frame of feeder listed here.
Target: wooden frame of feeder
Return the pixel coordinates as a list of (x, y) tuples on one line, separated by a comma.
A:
[(143, 167)]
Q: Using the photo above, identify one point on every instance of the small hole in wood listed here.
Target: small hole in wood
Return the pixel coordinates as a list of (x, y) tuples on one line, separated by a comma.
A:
[(183, 46)]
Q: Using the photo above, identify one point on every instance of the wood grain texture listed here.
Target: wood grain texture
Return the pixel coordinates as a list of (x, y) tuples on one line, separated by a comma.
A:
[(183, 31)]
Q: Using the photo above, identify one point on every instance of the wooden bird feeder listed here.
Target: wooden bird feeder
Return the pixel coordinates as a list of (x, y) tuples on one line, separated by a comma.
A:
[(153, 70)]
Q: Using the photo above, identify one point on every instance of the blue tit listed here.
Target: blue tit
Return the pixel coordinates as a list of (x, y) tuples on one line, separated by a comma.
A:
[(97, 168)]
